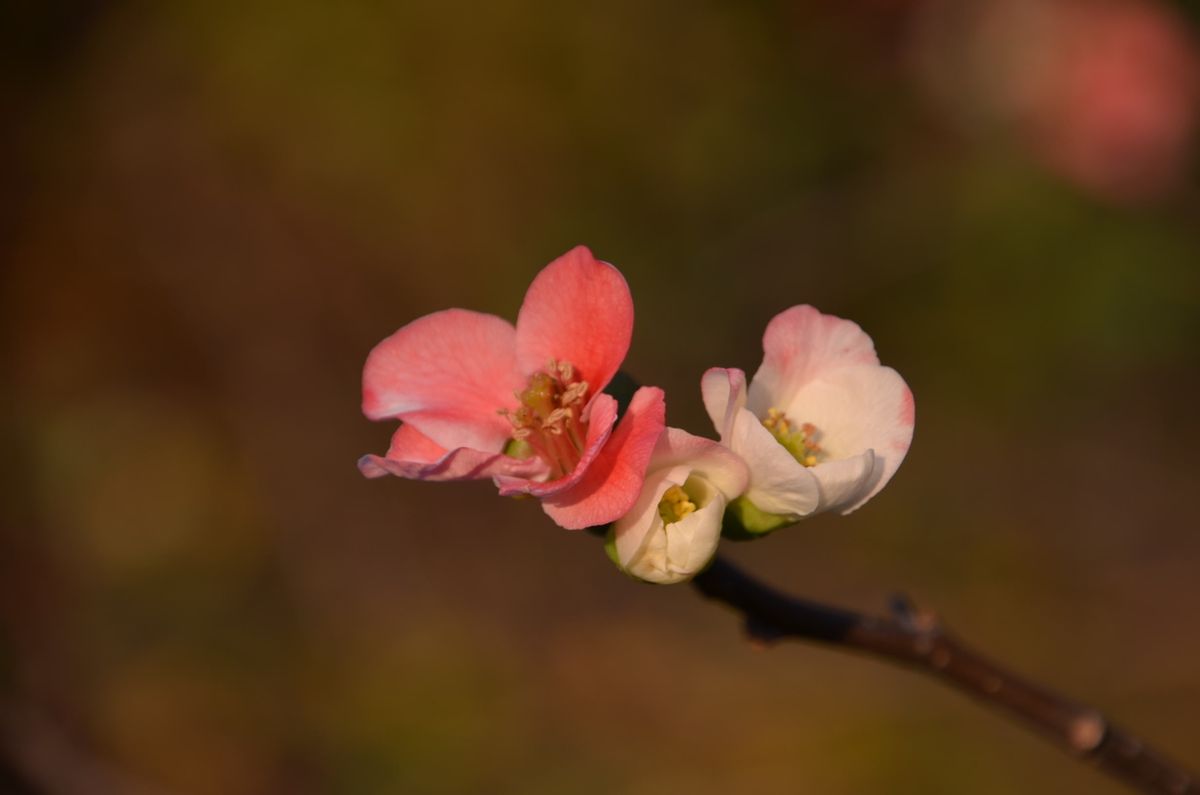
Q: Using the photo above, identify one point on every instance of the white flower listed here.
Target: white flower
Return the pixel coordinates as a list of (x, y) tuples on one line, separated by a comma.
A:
[(671, 532), (823, 426)]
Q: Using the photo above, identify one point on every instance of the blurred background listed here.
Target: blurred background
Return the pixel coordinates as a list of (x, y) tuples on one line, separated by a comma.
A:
[(210, 211)]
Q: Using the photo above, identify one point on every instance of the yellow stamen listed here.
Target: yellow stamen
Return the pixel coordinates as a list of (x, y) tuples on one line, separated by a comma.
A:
[(801, 443), (675, 504)]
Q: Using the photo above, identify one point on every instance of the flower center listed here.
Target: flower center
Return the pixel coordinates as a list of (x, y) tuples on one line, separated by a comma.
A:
[(675, 504), (800, 441), (548, 421)]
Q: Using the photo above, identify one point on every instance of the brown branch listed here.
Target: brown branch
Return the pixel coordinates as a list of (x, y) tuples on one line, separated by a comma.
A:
[(917, 639)]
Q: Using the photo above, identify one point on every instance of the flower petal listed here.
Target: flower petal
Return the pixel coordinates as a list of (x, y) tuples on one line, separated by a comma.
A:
[(678, 551), (713, 461), (613, 481), (633, 531), (800, 344), (409, 444), (856, 409), (779, 483), (578, 310), (462, 463), (416, 456), (692, 541), (847, 481), (724, 393), (447, 373)]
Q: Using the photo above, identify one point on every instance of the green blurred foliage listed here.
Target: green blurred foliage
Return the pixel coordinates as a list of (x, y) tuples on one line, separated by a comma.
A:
[(214, 210)]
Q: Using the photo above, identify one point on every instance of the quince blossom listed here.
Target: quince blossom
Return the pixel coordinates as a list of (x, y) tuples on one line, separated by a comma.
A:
[(479, 398), (671, 533), (823, 425)]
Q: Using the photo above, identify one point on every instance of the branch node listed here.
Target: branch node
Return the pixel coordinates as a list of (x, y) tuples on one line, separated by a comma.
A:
[(912, 618), (1087, 732)]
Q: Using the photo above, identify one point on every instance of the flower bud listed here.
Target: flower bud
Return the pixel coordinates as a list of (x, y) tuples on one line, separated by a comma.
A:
[(671, 533)]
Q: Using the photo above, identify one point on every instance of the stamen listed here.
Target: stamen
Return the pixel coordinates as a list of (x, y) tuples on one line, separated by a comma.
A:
[(574, 392), (675, 504), (801, 443), (549, 416)]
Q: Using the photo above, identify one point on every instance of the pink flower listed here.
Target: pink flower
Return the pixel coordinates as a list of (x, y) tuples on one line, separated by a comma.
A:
[(824, 426), (478, 398), (671, 533)]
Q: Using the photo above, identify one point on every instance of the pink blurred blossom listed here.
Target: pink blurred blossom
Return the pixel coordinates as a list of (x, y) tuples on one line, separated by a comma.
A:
[(1102, 92), (1116, 110)]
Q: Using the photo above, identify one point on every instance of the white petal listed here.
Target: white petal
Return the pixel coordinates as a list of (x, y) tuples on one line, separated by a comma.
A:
[(635, 529), (778, 482), (676, 552), (846, 483), (724, 393), (856, 409), (710, 460), (692, 542)]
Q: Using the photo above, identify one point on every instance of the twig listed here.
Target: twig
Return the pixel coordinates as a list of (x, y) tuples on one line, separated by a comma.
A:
[(914, 638)]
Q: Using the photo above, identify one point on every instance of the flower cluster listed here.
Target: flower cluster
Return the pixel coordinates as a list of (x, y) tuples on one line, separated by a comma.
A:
[(821, 426)]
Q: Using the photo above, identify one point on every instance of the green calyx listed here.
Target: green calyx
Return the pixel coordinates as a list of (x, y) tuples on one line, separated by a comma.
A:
[(610, 547), (744, 521)]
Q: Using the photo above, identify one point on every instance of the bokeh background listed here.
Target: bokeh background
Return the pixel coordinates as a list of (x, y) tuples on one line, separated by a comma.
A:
[(210, 211)]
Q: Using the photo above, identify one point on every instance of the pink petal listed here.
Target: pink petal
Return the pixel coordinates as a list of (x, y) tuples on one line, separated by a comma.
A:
[(613, 481), (409, 444), (602, 413), (447, 373), (416, 456), (799, 344), (578, 310)]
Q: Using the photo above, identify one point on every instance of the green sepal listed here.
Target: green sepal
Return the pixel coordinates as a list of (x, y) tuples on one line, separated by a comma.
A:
[(610, 547), (744, 521)]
